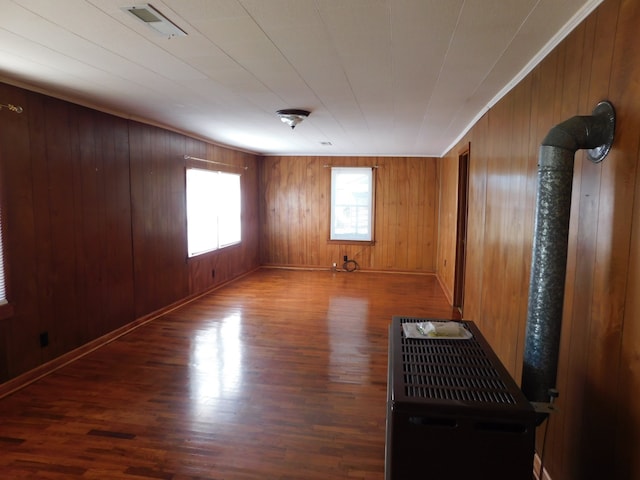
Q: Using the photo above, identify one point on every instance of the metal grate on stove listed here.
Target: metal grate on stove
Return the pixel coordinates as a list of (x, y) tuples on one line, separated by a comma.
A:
[(457, 370)]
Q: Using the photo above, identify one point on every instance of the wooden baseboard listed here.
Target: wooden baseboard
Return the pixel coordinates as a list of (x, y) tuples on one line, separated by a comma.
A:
[(445, 289), (364, 270), (536, 469), (27, 378)]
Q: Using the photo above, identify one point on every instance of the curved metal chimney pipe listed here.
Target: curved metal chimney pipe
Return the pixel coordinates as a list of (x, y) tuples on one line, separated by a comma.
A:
[(551, 233)]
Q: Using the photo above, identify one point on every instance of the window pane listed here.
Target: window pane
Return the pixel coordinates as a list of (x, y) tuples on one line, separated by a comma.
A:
[(229, 217), (213, 210), (202, 228), (3, 291), (351, 203)]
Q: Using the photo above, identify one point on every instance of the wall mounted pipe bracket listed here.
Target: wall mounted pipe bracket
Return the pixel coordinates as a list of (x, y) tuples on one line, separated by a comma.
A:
[(551, 232), (607, 115)]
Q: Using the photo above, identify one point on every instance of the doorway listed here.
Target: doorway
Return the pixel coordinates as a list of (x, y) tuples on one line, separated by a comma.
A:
[(461, 236)]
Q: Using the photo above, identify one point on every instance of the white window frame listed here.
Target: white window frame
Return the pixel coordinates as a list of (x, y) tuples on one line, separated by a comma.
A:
[(214, 210), (352, 204)]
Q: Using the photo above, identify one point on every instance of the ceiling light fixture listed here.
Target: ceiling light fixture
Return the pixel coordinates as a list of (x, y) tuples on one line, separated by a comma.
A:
[(292, 116), (13, 108), (152, 17)]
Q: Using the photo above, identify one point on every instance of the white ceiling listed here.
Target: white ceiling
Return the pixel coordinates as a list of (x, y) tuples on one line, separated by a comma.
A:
[(381, 77)]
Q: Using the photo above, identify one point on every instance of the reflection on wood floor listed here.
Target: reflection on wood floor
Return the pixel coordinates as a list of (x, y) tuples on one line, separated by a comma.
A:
[(280, 375)]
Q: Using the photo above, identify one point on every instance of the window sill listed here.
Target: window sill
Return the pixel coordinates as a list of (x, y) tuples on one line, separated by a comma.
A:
[(215, 251), (351, 242)]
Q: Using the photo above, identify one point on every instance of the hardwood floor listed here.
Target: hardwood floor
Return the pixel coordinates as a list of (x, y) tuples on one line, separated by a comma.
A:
[(280, 375)]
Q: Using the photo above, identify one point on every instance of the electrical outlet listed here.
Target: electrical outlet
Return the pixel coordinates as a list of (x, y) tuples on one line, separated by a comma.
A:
[(213, 273), (346, 258), (44, 339)]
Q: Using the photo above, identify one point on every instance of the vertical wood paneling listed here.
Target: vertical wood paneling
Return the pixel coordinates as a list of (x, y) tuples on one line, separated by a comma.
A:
[(522, 218), (295, 195), (617, 188), (87, 192), (448, 191), (68, 228), (579, 313), (106, 223), (414, 226), (476, 222), (158, 217), (497, 238), (610, 270), (626, 86), (19, 228), (596, 430), (40, 236), (388, 204), (61, 166), (95, 225)]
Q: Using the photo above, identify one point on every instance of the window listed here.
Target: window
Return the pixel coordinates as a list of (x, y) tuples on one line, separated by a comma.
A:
[(213, 210), (3, 288), (6, 310), (352, 203)]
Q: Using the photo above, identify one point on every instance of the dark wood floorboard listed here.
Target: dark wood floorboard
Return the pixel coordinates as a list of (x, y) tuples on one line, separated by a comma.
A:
[(280, 375)]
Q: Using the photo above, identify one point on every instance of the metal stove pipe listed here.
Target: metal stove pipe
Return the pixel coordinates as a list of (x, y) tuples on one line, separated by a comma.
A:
[(551, 233)]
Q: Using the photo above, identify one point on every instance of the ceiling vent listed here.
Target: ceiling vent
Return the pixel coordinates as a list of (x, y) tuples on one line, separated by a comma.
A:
[(153, 18)]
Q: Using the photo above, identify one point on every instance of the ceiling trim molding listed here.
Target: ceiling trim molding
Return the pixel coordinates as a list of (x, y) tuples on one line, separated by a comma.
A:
[(578, 18), (117, 113)]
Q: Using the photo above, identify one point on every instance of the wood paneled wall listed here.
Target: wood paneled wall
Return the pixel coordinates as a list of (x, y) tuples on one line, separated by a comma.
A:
[(596, 431), (95, 236), (94, 225), (447, 221), (295, 194)]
